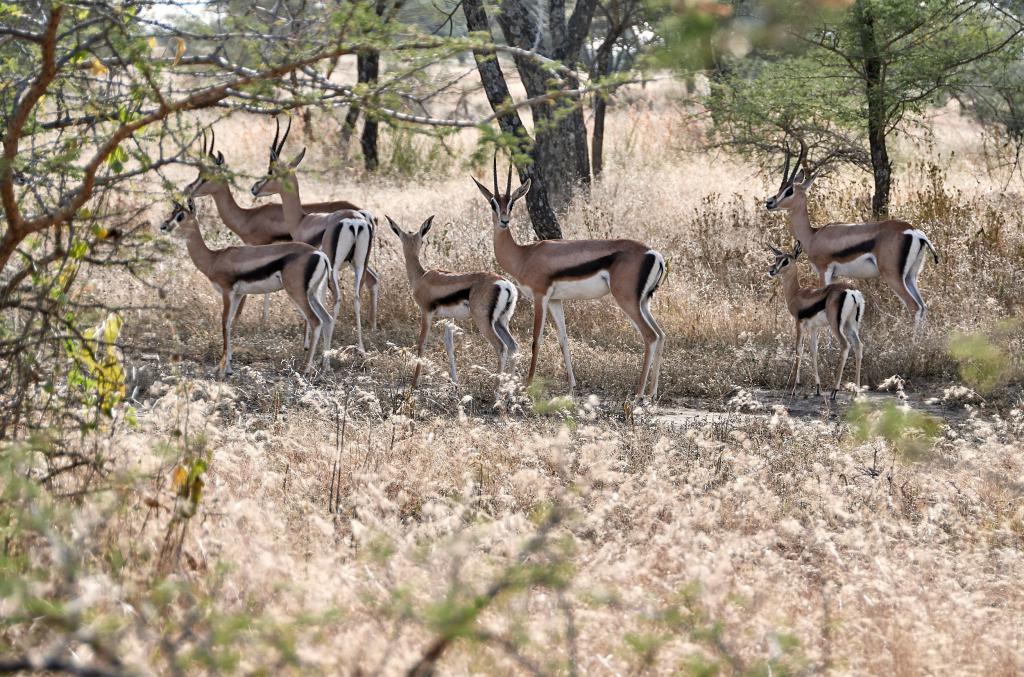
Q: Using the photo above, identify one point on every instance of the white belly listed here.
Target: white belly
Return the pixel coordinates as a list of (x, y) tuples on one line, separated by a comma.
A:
[(267, 285), (459, 311), (861, 267), (593, 287), (819, 321)]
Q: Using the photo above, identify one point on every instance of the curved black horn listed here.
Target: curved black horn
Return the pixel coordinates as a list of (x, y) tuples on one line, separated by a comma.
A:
[(495, 172), (785, 167), (277, 133), (213, 141), (285, 137), (508, 184), (800, 160), (204, 142), (773, 250)]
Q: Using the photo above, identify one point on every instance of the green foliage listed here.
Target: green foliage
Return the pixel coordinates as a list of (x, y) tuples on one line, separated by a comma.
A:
[(983, 364), (910, 433), (926, 50), (96, 369)]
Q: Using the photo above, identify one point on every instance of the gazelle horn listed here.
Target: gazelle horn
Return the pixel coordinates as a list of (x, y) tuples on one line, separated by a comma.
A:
[(287, 129), (508, 184), (800, 161), (495, 174), (277, 133), (785, 168)]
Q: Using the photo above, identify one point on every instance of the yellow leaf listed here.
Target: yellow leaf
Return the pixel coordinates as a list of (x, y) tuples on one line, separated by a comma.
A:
[(179, 477), (152, 43), (180, 51), (97, 67)]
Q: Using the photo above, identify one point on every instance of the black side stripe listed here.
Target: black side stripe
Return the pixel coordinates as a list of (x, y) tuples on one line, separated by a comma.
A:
[(586, 269), (452, 299), (281, 238), (811, 311), (908, 242), (859, 248), (316, 239), (265, 271)]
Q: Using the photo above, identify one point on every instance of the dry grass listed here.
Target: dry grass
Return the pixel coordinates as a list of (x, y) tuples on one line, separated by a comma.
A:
[(738, 542)]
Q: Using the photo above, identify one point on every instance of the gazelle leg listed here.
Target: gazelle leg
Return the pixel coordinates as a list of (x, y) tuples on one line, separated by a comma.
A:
[(558, 316), (858, 353), (540, 312), (814, 360), (266, 309), (659, 350), (799, 350), (649, 332), (899, 285), (356, 304), (311, 353), (449, 346), (842, 365), (372, 281), (231, 303), (424, 333)]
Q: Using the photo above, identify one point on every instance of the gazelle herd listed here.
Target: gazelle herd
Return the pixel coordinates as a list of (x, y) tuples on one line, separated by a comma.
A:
[(301, 247)]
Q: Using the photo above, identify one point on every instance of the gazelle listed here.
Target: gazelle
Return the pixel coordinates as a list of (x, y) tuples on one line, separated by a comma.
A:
[(264, 224), (301, 270), (552, 271), (488, 298), (346, 235), (893, 250), (837, 306)]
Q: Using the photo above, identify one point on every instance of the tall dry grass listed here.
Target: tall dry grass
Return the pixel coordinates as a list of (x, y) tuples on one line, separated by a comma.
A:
[(365, 524)]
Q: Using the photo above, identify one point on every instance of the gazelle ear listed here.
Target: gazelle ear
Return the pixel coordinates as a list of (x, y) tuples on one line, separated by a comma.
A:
[(191, 206), (799, 178), (425, 227), (298, 158), (522, 190), (483, 189), (809, 181), (394, 226), (799, 247)]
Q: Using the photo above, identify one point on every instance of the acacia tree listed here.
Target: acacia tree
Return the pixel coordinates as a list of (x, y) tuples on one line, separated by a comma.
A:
[(865, 71), (97, 100)]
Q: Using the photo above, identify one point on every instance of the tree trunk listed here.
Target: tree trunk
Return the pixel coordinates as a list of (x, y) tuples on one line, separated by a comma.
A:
[(368, 66), (542, 216), (560, 146), (874, 84), (603, 68)]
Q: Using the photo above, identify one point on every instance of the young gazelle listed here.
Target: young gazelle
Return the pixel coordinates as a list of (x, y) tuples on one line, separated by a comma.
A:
[(488, 298), (346, 235), (301, 270), (837, 306), (892, 250), (264, 224), (551, 271)]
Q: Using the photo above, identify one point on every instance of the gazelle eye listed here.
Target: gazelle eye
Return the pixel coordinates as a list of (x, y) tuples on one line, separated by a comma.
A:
[(789, 191), (180, 217)]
